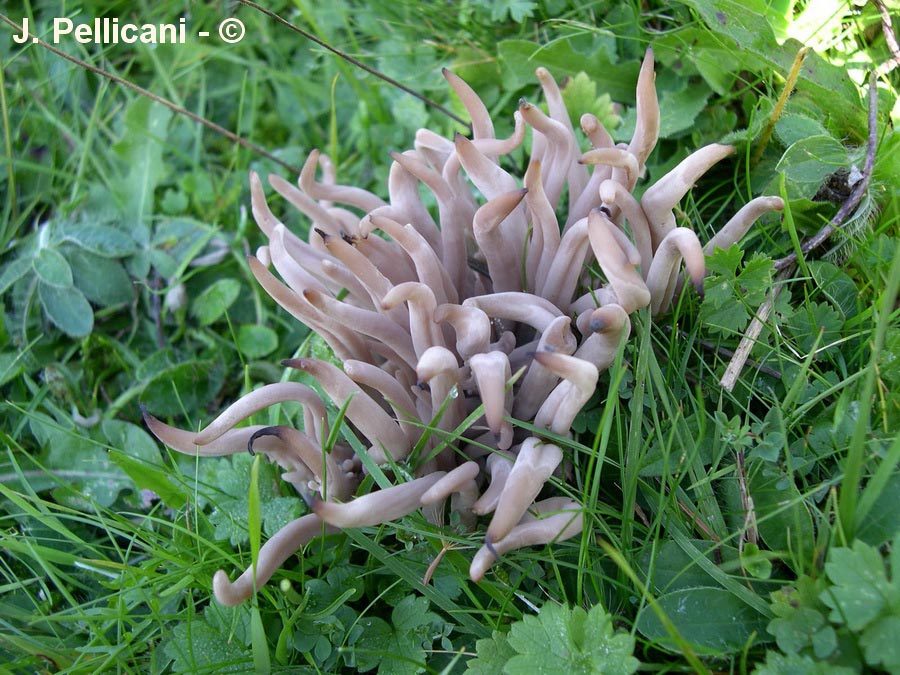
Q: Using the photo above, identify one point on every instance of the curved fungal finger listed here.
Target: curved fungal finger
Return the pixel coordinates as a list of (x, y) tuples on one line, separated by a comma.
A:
[(545, 235), (557, 152), (502, 250), (680, 243), (646, 128), (567, 266), (538, 381), (616, 158), (344, 194), (535, 463), (396, 396), (376, 284), (422, 305), (566, 401), (609, 325), (405, 201), (560, 520), (260, 399), (429, 268), (459, 479), (334, 483), (624, 279), (369, 417), (525, 308), (491, 372), (482, 126), (734, 230), (472, 326), (305, 204), (503, 146), (499, 464), (365, 321), (379, 506), (438, 368), (273, 554), (660, 198), (613, 193)]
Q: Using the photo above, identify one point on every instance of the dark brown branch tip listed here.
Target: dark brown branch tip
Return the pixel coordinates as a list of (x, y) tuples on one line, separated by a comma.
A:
[(265, 431), (489, 545)]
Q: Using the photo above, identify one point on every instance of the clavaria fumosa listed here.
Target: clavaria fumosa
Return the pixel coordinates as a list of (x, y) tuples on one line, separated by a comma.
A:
[(452, 329)]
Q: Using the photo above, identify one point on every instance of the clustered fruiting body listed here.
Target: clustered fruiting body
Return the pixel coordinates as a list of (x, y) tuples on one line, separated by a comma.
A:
[(456, 327)]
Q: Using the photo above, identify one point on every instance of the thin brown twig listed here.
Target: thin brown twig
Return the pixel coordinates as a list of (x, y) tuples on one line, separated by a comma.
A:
[(355, 62), (739, 360), (891, 40), (785, 266), (156, 98)]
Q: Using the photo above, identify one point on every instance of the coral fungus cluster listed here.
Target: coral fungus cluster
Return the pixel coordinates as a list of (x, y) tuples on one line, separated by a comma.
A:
[(452, 329)]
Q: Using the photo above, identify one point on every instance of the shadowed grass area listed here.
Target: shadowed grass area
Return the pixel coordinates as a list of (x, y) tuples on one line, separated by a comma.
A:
[(722, 528)]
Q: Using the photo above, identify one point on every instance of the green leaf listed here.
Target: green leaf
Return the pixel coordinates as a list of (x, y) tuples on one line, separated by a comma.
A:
[(837, 285), (52, 268), (807, 162), (883, 520), (881, 643), (197, 645), (67, 308), (256, 341), (215, 300), (103, 281), (580, 96), (744, 24), (233, 478), (140, 148), (728, 294), (755, 563), (795, 664), (712, 619), (719, 312), (812, 320), (171, 388), (725, 262), (82, 464), (673, 568), (560, 640), (157, 481), (783, 520), (797, 614), (861, 589), (398, 649), (101, 240), (14, 271), (517, 10), (519, 58), (718, 67), (681, 109), (755, 280), (793, 127), (491, 655)]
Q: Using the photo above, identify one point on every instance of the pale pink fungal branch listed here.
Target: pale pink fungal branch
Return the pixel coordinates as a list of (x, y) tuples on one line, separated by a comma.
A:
[(462, 327)]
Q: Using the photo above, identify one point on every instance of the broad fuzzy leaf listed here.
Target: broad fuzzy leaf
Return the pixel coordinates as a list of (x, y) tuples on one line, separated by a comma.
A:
[(560, 640), (861, 589), (712, 619)]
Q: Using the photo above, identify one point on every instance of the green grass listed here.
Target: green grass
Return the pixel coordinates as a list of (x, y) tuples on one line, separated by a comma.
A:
[(108, 542)]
